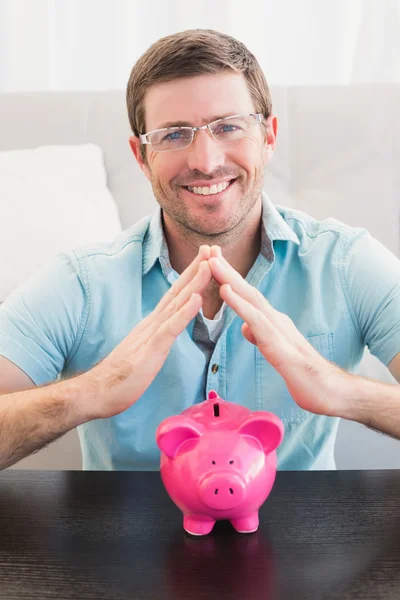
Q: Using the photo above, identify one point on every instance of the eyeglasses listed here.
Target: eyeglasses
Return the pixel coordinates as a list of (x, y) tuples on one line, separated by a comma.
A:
[(228, 129)]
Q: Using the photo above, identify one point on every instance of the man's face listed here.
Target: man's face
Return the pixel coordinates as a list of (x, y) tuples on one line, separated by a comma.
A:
[(197, 101)]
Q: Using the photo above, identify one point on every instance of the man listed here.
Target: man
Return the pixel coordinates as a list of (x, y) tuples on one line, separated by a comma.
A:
[(217, 290)]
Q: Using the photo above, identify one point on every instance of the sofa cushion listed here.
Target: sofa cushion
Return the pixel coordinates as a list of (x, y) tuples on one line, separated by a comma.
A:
[(52, 198)]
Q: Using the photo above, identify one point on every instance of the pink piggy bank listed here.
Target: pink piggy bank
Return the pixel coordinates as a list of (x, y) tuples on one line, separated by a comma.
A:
[(218, 461)]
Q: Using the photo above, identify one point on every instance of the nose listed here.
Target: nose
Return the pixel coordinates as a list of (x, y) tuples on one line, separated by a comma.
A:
[(222, 490), (205, 153)]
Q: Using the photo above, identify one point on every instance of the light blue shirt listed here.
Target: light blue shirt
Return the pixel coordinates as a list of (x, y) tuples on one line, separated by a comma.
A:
[(339, 285)]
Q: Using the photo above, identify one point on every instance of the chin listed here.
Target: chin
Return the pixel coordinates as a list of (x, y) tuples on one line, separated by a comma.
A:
[(213, 229)]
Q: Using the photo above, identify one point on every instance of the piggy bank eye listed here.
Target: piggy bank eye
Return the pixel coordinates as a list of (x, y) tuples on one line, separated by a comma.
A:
[(231, 462), (213, 462)]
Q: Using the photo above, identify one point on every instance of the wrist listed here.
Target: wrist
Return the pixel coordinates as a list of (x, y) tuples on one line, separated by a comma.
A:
[(79, 396), (362, 398)]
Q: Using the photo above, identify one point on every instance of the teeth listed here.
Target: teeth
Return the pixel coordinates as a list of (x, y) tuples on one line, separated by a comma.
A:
[(206, 191)]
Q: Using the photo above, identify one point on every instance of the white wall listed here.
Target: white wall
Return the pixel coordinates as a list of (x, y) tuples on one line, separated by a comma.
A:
[(92, 44)]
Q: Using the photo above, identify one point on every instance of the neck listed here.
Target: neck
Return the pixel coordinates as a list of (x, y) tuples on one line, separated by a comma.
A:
[(240, 248)]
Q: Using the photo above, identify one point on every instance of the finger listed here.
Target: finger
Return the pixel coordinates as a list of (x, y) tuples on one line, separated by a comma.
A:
[(216, 252), (270, 341), (223, 272), (197, 285), (251, 294), (250, 314), (154, 352), (165, 335), (247, 333), (188, 274)]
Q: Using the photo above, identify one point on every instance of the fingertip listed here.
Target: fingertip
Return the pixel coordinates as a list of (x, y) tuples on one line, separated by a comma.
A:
[(215, 251), (205, 251), (215, 261), (225, 287)]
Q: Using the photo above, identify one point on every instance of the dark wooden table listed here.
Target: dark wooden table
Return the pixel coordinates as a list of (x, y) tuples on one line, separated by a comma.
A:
[(117, 535)]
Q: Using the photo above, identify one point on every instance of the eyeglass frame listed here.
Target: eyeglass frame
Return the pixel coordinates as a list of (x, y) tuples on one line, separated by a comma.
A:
[(143, 136)]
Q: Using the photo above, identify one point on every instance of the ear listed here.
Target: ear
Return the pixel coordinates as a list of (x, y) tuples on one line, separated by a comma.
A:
[(135, 145), (265, 427), (270, 136), (174, 431)]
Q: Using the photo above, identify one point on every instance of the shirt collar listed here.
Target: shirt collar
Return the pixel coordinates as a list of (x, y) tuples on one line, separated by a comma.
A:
[(153, 241), (274, 227)]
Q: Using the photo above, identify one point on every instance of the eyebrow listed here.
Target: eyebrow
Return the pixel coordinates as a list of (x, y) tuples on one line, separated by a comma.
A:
[(188, 124)]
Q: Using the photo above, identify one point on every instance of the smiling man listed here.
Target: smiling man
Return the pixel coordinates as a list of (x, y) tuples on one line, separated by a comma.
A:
[(218, 290), (205, 156)]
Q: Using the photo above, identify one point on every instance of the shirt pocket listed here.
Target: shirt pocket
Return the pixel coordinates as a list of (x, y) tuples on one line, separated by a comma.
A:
[(271, 392)]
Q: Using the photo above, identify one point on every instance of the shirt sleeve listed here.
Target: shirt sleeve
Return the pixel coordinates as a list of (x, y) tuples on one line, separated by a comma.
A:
[(370, 276), (41, 323)]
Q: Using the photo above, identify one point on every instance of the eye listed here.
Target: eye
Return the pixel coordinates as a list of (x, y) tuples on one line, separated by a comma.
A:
[(231, 462), (226, 128), (213, 462), (171, 137)]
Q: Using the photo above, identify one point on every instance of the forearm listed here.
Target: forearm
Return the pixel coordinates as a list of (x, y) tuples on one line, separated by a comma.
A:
[(31, 419), (374, 404)]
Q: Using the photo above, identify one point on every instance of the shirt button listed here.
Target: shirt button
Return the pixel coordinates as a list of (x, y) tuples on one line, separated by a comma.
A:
[(214, 368)]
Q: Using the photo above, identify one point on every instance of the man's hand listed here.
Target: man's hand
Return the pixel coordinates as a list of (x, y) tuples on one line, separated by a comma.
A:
[(313, 382), (122, 377)]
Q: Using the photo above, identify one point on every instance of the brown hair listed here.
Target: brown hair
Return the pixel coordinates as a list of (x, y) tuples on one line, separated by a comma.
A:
[(189, 53)]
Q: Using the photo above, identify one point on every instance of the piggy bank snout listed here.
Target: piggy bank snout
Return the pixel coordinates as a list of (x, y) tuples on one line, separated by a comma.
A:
[(222, 490)]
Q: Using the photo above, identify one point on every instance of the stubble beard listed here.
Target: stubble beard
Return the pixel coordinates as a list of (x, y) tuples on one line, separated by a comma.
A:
[(193, 229)]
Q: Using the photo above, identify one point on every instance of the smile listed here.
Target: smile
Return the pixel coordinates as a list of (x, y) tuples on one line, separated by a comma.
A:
[(210, 190)]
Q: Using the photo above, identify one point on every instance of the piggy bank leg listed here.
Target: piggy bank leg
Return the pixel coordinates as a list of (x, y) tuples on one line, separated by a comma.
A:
[(198, 524), (247, 524)]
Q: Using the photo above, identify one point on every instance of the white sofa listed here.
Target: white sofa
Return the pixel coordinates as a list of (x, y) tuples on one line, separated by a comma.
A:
[(337, 155)]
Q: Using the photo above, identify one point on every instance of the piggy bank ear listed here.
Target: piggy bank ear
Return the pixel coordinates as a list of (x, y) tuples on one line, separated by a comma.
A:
[(265, 427), (172, 432)]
